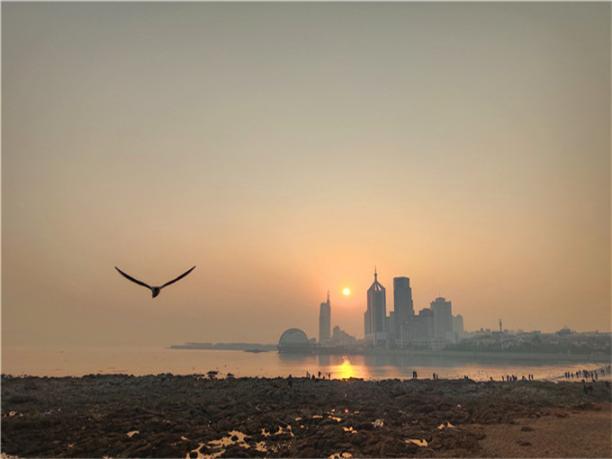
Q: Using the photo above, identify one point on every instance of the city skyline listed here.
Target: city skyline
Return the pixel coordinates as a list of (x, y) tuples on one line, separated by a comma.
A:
[(431, 328)]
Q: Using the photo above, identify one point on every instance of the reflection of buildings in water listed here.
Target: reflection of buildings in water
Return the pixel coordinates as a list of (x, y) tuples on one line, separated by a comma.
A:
[(398, 366), (381, 365), (288, 357), (329, 361), (410, 361)]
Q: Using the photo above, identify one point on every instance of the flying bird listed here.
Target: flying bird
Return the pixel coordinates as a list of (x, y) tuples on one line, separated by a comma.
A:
[(154, 290)]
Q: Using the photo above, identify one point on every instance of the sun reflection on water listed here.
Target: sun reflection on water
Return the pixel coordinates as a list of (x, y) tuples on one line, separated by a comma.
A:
[(346, 370)]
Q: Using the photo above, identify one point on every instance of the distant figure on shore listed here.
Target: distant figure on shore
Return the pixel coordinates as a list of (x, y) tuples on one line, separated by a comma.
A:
[(414, 375), (290, 381), (154, 290)]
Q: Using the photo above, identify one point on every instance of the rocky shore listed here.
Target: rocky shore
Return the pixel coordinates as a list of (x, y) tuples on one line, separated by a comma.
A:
[(180, 416)]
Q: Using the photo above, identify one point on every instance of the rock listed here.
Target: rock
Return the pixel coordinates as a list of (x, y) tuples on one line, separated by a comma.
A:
[(97, 411)]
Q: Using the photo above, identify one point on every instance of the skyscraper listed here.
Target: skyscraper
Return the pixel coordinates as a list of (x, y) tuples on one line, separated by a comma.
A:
[(442, 319), (377, 312), (458, 326), (367, 324), (325, 321), (419, 329), (402, 305)]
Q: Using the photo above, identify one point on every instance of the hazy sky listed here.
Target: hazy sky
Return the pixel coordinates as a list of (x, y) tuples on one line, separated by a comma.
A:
[(286, 149)]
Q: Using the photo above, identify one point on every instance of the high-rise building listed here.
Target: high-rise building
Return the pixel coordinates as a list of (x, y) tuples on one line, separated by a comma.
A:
[(390, 327), (419, 329), (377, 312), (442, 319), (458, 329), (325, 321), (402, 306), (342, 338)]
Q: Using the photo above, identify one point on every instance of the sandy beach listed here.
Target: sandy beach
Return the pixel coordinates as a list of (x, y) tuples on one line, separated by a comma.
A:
[(176, 416)]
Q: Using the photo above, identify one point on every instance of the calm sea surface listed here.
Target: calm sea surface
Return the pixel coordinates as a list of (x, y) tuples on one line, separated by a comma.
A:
[(154, 360)]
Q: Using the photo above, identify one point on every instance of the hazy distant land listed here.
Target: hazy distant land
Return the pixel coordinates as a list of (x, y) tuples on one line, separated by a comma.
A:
[(486, 345)]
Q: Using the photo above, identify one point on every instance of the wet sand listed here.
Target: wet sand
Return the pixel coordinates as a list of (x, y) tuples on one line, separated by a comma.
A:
[(175, 416), (564, 433)]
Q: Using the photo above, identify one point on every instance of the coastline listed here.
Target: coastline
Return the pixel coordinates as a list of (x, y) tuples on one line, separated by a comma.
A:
[(465, 355), (507, 356), (171, 416)]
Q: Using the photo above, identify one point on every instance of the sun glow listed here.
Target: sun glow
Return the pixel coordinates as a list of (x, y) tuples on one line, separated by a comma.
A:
[(346, 291), (345, 370)]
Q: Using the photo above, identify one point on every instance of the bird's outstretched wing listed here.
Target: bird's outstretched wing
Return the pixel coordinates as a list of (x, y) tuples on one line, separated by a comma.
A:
[(127, 276), (177, 279)]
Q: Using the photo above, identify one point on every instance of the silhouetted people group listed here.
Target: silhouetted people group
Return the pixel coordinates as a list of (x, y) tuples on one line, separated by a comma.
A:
[(512, 378), (316, 377), (593, 375), (585, 375)]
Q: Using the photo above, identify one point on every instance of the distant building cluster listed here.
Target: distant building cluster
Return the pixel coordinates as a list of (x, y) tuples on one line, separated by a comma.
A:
[(564, 341), (432, 327)]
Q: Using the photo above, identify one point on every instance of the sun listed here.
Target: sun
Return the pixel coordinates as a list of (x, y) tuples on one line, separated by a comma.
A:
[(346, 291)]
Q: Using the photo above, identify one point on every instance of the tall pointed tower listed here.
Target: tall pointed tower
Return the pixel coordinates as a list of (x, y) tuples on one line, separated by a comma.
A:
[(376, 313), (325, 321)]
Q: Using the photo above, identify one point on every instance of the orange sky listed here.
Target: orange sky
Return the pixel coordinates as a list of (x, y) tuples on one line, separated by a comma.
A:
[(286, 149)]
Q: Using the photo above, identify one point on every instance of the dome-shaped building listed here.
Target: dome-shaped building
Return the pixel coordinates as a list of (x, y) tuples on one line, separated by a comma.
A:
[(294, 340)]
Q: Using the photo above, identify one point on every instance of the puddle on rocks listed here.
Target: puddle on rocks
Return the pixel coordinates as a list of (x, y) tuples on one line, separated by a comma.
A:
[(235, 437), (415, 441), (446, 425), (342, 455), (281, 430), (349, 429), (132, 433), (199, 454), (219, 445), (229, 440), (379, 423)]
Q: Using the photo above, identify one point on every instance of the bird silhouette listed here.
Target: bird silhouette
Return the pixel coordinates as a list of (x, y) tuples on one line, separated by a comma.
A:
[(154, 290)]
